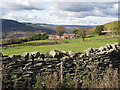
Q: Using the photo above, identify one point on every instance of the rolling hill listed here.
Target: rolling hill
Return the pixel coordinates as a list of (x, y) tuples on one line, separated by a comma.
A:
[(11, 25), (114, 25)]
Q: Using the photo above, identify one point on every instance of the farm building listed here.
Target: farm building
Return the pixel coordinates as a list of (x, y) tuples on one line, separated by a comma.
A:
[(66, 36)]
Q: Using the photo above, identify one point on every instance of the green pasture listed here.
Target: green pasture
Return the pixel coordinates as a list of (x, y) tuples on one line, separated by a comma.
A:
[(97, 36), (76, 45), (40, 41)]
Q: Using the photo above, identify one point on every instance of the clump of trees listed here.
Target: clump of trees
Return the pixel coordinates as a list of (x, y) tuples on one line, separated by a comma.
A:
[(81, 32), (99, 29), (40, 36)]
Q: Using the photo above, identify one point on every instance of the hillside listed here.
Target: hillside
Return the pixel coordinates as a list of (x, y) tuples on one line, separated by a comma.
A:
[(11, 25), (109, 26), (112, 25)]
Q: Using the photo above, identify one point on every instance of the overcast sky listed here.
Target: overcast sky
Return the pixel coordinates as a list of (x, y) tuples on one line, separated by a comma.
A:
[(72, 12)]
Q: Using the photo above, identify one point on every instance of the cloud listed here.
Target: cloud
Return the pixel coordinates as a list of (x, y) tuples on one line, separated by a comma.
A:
[(50, 17), (21, 4), (80, 1), (81, 6), (92, 8), (113, 11), (83, 13)]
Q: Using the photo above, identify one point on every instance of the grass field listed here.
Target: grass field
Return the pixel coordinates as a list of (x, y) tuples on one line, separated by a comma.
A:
[(39, 41), (76, 45)]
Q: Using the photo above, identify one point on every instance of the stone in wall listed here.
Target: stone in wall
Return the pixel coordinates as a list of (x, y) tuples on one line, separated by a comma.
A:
[(35, 54)]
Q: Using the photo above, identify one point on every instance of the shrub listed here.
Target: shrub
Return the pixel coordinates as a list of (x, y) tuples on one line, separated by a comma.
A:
[(40, 36)]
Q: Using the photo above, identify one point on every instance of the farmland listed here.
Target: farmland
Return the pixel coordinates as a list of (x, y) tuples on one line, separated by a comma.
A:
[(76, 45)]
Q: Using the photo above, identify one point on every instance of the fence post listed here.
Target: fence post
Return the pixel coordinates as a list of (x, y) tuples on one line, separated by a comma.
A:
[(61, 72)]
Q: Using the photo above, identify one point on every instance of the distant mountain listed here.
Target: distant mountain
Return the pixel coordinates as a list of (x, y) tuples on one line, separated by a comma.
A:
[(68, 28), (87, 26), (11, 25)]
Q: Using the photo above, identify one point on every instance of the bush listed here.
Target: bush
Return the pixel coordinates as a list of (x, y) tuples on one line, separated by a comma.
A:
[(40, 36)]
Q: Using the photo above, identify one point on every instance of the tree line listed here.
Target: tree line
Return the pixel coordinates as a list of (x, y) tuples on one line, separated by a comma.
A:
[(16, 40)]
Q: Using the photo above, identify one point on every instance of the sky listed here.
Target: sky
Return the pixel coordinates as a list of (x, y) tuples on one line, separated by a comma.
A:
[(60, 12)]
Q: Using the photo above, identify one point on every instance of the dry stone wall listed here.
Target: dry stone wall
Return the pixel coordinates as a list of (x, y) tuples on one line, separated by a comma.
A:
[(21, 70)]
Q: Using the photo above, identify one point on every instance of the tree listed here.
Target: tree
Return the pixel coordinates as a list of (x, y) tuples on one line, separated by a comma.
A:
[(36, 37), (44, 36), (40, 36), (60, 30), (75, 31), (81, 32), (99, 29), (13, 39)]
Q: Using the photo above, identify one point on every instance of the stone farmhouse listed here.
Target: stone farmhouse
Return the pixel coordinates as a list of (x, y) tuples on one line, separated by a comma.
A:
[(66, 36)]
